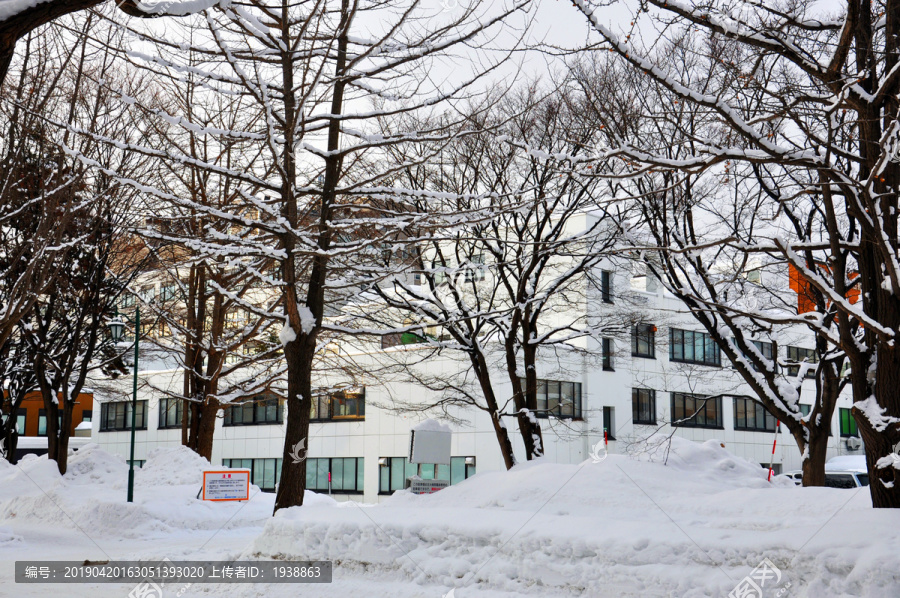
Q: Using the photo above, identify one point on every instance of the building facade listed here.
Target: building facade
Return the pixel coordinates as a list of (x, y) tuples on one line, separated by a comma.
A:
[(662, 375)]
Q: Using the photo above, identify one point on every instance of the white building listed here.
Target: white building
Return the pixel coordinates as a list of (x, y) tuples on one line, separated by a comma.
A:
[(632, 389)]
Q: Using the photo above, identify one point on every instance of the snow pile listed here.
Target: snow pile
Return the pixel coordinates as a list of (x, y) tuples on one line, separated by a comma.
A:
[(173, 466), (7, 537), (92, 495), (623, 527)]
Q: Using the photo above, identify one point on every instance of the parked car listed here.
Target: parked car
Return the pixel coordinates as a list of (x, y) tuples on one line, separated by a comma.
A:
[(794, 476), (846, 479)]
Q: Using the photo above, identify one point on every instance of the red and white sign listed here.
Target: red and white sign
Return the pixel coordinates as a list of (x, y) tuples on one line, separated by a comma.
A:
[(226, 485)]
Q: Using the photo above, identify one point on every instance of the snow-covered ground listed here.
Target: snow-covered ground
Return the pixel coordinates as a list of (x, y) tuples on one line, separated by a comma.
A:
[(619, 527)]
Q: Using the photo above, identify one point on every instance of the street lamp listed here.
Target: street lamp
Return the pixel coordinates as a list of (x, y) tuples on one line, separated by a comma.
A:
[(117, 331)]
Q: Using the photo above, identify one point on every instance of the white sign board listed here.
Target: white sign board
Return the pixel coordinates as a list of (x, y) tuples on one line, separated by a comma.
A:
[(233, 484), (429, 442)]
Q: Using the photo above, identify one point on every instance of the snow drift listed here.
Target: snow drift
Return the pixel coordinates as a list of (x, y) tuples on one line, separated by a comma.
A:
[(622, 527)]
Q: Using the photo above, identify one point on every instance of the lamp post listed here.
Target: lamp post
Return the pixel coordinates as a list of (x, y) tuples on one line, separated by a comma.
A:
[(117, 330)]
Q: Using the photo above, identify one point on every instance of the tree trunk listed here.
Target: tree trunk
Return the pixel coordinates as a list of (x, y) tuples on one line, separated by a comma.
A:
[(62, 447), (292, 484), (10, 444), (525, 399), (500, 429), (817, 452), (300, 353), (202, 443)]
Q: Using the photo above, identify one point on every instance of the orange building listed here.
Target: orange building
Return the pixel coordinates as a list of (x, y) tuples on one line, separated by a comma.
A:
[(32, 417)]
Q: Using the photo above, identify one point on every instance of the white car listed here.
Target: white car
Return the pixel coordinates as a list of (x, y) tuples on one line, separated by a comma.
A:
[(794, 476)]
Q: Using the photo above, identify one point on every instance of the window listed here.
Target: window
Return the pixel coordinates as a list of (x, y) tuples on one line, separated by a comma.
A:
[(167, 292), (339, 406), (686, 346), (606, 286), (138, 463), (643, 406), (692, 411), (346, 475), (393, 471), (259, 410), (608, 348), (750, 414), (126, 300), (170, 413), (798, 355), (609, 422), (560, 399), (117, 416), (264, 473), (475, 270), (776, 467), (848, 423), (20, 421), (42, 422), (87, 415), (643, 341), (768, 351)]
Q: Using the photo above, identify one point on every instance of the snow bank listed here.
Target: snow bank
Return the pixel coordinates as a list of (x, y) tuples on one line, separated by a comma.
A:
[(92, 495), (623, 527)]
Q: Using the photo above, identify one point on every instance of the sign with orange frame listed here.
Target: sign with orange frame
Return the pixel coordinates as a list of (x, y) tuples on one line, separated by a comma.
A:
[(233, 484)]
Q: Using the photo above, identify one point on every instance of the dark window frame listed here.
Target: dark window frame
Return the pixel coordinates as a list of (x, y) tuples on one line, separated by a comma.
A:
[(797, 355), (256, 404), (323, 406), (257, 464), (609, 421), (759, 411), (646, 334), (164, 406), (606, 290), (636, 401), (680, 340), (543, 391), (105, 418), (21, 420), (607, 348), (699, 416)]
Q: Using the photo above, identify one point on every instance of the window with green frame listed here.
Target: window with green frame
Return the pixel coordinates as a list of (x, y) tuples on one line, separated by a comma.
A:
[(346, 474), (393, 472), (264, 473), (687, 346), (848, 423)]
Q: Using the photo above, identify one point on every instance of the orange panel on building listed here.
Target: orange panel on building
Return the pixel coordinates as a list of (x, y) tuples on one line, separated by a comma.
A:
[(806, 301), (32, 408)]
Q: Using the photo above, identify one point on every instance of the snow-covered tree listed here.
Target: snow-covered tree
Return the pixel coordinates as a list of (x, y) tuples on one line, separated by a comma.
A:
[(513, 285), (806, 101), (315, 78)]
